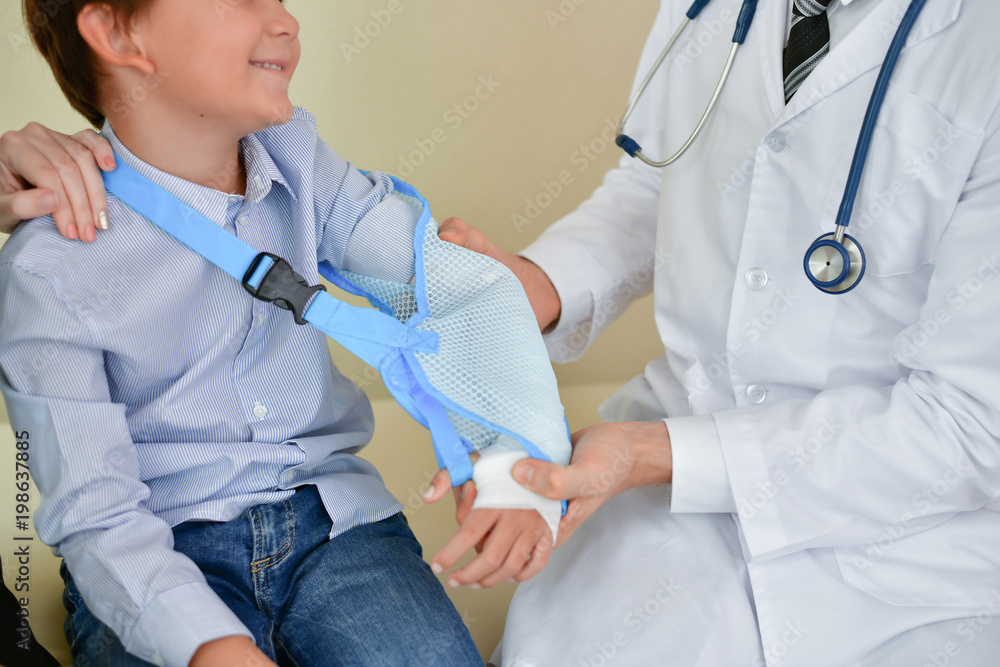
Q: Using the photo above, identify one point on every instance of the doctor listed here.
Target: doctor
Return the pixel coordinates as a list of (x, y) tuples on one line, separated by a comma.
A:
[(834, 458)]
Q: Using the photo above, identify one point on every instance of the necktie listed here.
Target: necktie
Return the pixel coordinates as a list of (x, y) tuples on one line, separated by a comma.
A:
[(808, 42)]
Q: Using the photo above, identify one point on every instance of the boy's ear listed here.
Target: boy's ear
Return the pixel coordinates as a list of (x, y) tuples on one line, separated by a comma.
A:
[(111, 41)]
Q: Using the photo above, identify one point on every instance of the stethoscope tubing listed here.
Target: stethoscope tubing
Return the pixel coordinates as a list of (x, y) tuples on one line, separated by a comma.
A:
[(743, 23), (849, 277)]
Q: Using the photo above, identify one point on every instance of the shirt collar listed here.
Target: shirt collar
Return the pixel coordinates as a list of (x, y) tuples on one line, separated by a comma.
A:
[(213, 204)]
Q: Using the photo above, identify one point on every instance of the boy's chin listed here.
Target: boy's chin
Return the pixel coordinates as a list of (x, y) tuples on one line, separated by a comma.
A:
[(279, 115)]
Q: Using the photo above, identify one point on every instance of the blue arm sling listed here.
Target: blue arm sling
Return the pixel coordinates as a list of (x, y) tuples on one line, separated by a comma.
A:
[(459, 350)]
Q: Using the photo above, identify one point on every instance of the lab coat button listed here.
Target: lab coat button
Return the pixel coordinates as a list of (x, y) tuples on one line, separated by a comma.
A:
[(756, 394), (260, 411), (756, 278), (776, 142)]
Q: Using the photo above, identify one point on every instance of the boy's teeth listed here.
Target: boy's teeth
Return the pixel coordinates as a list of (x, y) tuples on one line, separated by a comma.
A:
[(268, 66)]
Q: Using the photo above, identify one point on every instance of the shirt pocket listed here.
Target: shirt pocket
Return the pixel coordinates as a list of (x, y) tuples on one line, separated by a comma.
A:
[(916, 171)]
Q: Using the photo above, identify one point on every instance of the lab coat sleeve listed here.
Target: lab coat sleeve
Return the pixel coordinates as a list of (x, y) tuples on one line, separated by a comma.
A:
[(841, 468), (86, 466), (602, 256)]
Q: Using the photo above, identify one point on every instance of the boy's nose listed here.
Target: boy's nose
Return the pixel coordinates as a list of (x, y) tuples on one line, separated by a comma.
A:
[(284, 23)]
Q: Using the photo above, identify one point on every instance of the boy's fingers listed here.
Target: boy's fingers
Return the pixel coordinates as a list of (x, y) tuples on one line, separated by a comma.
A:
[(463, 504), (539, 558), (520, 554), (438, 489), (494, 556), (477, 525)]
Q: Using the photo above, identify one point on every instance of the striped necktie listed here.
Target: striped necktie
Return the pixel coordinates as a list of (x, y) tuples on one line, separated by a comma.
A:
[(808, 42)]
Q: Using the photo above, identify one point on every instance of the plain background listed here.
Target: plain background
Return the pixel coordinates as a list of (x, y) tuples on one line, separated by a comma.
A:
[(383, 86)]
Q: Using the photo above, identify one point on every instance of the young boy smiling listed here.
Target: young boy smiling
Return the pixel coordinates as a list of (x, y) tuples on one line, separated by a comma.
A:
[(196, 448)]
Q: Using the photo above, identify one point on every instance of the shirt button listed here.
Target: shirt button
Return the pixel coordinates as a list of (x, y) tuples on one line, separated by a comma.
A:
[(259, 410), (756, 278), (234, 199), (242, 220), (756, 394), (261, 316), (776, 142)]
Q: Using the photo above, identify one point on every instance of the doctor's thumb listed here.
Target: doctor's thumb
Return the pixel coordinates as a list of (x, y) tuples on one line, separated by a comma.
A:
[(541, 477)]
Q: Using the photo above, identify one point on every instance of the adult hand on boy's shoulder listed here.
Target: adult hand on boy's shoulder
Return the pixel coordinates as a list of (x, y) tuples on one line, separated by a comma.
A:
[(541, 292), (235, 650), (43, 171)]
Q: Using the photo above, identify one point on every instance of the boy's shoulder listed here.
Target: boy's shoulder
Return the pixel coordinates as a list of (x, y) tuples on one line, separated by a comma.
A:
[(36, 246)]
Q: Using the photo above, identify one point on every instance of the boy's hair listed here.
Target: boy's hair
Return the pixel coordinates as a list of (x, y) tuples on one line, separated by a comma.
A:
[(52, 24)]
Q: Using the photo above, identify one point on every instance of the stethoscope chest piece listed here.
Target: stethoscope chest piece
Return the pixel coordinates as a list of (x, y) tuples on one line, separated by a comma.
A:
[(835, 266)]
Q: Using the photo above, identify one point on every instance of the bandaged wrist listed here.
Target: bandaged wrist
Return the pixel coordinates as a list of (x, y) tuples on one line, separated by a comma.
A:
[(497, 489)]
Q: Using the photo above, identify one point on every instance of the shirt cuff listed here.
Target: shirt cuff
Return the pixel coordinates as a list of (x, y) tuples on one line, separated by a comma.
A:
[(180, 620), (700, 480)]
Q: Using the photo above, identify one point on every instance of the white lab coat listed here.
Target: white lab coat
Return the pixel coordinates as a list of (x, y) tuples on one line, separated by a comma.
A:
[(836, 458)]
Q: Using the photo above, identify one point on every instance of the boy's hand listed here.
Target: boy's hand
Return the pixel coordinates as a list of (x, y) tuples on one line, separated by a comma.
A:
[(235, 651), (42, 171), (541, 292), (512, 544)]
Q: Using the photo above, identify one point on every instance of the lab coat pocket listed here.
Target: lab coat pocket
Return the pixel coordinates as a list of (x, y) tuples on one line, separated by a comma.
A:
[(955, 564), (917, 169)]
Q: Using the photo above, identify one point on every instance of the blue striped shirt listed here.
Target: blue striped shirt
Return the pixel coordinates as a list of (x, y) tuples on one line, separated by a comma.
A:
[(157, 391)]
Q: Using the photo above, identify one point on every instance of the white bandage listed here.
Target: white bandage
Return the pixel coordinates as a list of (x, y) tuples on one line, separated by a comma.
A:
[(497, 489)]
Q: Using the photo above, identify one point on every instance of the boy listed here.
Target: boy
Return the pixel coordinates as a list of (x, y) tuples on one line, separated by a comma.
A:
[(196, 452)]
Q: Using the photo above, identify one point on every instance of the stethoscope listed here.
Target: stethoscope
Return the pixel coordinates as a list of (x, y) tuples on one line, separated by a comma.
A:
[(835, 262)]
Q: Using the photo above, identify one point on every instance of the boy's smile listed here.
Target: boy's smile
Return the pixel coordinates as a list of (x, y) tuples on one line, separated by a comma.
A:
[(206, 49)]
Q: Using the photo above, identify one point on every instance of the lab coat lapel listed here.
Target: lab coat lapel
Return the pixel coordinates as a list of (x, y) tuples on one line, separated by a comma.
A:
[(864, 49)]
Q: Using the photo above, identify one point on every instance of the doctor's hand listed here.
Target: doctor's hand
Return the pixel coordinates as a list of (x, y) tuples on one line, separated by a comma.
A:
[(607, 459), (541, 293), (42, 171)]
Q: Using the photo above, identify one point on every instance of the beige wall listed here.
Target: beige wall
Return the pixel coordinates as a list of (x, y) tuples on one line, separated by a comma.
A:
[(559, 83)]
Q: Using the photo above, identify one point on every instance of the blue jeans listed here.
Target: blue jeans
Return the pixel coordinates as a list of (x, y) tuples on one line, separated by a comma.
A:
[(365, 597)]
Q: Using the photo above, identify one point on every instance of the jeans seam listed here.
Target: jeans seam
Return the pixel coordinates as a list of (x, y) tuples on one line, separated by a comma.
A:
[(285, 548), (276, 638), (260, 567)]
